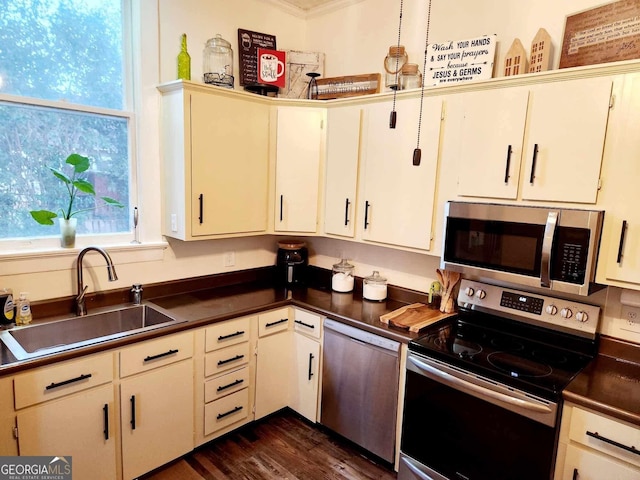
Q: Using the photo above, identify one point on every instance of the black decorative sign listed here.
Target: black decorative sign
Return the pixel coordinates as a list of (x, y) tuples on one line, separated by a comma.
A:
[(248, 44)]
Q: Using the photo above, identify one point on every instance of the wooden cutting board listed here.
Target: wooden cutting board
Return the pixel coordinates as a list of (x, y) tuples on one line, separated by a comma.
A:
[(414, 317)]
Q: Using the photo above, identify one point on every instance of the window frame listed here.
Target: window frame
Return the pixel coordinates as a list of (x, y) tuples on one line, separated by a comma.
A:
[(19, 247)]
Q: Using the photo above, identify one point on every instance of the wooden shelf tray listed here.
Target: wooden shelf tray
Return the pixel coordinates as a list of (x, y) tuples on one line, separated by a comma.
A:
[(348, 86)]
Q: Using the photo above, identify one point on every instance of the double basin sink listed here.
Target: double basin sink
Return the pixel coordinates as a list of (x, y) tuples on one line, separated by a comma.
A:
[(68, 333)]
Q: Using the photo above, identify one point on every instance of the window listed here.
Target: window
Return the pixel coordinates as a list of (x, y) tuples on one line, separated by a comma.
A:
[(63, 90)]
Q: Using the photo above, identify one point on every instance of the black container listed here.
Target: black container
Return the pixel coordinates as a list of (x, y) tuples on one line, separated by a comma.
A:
[(291, 263)]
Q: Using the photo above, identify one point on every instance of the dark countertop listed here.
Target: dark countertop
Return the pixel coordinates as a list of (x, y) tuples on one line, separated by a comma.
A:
[(611, 382), (208, 306)]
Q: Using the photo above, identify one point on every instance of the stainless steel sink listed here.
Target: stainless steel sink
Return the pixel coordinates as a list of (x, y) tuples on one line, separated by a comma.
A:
[(68, 333)]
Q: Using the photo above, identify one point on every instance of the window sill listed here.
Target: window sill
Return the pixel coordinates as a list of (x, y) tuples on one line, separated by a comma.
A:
[(55, 259)]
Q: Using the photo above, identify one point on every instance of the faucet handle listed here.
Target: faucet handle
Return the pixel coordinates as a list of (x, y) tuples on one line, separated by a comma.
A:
[(136, 290), (80, 297), (81, 308)]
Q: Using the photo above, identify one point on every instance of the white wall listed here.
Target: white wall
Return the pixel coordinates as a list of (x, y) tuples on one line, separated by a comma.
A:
[(357, 38), (203, 19)]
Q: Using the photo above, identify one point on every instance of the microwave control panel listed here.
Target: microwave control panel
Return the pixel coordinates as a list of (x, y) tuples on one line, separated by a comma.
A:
[(569, 259)]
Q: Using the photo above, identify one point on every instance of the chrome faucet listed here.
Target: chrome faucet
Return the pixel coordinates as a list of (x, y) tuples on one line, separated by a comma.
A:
[(81, 308)]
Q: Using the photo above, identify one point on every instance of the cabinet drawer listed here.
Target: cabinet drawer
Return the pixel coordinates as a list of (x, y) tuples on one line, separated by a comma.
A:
[(225, 334), (225, 384), (272, 322), (222, 360), (226, 411), (583, 464), (598, 432), (62, 379), (307, 322), (155, 353)]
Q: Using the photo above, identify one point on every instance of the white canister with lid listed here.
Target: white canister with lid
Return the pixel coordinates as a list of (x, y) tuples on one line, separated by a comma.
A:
[(342, 277), (375, 287)]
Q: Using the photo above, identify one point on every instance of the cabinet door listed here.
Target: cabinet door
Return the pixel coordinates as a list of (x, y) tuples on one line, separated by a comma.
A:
[(80, 426), (298, 144), (582, 464), (156, 417), (399, 196), (343, 149), (564, 142), (273, 373), (229, 165), (305, 376), (491, 143), (619, 261)]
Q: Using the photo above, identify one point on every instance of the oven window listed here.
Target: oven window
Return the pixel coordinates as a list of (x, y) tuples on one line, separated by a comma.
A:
[(460, 436), (503, 246)]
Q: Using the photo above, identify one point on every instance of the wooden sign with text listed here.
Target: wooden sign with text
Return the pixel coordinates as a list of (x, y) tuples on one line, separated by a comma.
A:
[(460, 60), (608, 33)]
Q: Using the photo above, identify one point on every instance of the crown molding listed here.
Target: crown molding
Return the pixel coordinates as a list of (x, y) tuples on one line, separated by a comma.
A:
[(328, 7)]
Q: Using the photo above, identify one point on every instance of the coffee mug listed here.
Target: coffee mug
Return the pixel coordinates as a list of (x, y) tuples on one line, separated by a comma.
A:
[(270, 68)]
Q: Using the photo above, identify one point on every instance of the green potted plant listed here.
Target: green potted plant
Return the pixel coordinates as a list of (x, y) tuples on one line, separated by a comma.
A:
[(75, 186)]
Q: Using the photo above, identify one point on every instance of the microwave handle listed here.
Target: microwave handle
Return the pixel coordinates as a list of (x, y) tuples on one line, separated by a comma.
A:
[(547, 246)]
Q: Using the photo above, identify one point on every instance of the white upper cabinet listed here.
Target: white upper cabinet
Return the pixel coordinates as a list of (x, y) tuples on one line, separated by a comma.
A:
[(215, 148), (298, 148), (398, 196), (564, 141), (343, 150), (491, 142), (229, 164), (619, 259)]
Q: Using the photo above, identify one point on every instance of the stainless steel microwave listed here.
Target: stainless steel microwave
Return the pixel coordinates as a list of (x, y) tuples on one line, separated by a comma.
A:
[(549, 248)]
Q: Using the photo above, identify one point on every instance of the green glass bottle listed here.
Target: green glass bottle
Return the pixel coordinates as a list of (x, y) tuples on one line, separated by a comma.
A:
[(184, 61)]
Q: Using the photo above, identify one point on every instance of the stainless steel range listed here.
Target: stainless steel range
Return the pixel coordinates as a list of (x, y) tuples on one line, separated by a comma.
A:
[(484, 388)]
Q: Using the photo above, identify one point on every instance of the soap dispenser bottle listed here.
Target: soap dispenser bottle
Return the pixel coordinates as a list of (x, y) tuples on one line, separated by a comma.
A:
[(24, 316)]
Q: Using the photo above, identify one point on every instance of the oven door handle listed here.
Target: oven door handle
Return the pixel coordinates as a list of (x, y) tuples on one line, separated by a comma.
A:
[(547, 247), (463, 385)]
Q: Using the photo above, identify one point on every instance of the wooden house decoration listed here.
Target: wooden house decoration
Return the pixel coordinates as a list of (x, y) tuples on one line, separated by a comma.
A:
[(540, 60), (515, 61)]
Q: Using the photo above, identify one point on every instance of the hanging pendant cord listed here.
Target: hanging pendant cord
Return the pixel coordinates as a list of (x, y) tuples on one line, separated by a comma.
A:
[(417, 153), (392, 119)]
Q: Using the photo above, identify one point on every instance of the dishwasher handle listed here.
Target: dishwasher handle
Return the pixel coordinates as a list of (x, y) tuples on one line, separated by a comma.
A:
[(362, 336)]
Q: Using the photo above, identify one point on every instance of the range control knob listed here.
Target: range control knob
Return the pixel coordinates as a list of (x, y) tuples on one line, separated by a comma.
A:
[(566, 313), (551, 309), (582, 316), (481, 294), (469, 291)]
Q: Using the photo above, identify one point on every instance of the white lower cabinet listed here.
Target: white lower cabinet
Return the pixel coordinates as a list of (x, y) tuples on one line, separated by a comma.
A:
[(305, 376), (288, 364), (227, 377), (80, 427), (68, 410), (156, 401), (273, 362), (583, 464), (596, 447)]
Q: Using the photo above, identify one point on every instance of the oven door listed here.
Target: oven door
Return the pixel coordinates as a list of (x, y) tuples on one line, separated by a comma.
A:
[(461, 426)]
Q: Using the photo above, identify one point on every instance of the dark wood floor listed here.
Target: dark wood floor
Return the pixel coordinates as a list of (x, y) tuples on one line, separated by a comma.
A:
[(284, 446)]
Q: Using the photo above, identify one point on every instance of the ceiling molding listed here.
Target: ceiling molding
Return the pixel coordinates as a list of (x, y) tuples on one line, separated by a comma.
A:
[(327, 6)]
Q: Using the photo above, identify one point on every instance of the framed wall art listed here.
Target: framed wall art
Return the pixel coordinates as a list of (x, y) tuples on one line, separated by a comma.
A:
[(608, 33)]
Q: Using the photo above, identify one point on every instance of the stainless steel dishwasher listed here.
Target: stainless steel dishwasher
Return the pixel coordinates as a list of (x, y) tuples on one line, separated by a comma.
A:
[(360, 377)]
